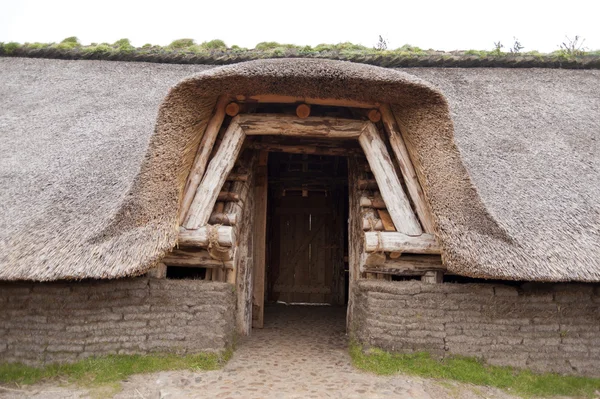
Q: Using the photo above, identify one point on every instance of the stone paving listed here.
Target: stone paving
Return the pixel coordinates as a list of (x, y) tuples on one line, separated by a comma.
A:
[(301, 353)]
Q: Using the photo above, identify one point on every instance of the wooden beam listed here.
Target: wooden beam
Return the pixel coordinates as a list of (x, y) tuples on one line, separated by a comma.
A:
[(384, 215), (199, 237), (200, 258), (204, 149), (227, 196), (374, 115), (303, 111), (237, 177), (260, 239), (391, 190), (406, 265), (291, 125), (335, 102), (372, 225), (399, 242), (406, 167), (372, 202), (367, 184), (228, 219), (216, 173), (301, 149), (232, 109)]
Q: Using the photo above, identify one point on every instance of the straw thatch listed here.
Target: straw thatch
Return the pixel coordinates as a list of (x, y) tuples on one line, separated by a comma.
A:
[(80, 200)]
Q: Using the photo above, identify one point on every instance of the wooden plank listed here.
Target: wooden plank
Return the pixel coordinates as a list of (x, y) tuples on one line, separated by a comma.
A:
[(216, 174), (198, 258), (204, 149), (391, 190), (399, 242), (407, 168), (291, 125), (336, 102), (260, 240), (302, 149), (199, 237), (406, 265), (386, 220)]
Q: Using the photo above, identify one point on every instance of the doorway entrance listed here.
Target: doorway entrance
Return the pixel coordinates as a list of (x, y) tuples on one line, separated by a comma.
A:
[(307, 229)]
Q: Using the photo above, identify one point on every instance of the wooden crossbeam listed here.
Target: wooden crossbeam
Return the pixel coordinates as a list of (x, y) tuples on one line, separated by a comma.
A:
[(334, 102), (386, 241), (201, 258), (204, 149), (406, 167), (199, 237), (302, 149), (398, 204), (291, 125), (406, 265), (216, 173)]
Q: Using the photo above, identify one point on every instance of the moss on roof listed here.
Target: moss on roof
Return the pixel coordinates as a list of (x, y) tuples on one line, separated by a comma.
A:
[(215, 52)]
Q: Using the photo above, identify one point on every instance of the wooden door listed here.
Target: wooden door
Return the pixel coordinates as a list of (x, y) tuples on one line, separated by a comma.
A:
[(307, 249)]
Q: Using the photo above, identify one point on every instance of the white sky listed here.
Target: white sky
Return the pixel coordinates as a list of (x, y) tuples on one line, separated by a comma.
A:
[(441, 25)]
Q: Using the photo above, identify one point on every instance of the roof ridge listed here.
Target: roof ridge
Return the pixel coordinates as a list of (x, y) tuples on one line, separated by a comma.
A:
[(389, 60)]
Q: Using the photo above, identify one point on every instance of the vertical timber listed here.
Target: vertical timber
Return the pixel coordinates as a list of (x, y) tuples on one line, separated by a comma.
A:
[(260, 235)]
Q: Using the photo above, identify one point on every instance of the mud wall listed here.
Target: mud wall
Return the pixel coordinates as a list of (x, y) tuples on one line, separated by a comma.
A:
[(544, 327), (43, 323)]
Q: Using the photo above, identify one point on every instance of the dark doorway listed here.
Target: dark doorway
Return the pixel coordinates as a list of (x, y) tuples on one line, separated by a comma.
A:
[(307, 229)]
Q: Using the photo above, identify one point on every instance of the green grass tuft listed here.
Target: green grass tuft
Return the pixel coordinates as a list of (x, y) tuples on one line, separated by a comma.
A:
[(110, 369), (9, 48), (473, 371), (71, 39), (181, 43), (216, 44)]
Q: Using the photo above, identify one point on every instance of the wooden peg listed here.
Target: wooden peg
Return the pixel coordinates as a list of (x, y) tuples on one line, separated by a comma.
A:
[(303, 111), (232, 109)]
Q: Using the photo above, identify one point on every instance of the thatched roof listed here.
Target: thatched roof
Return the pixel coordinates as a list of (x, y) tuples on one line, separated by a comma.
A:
[(90, 187)]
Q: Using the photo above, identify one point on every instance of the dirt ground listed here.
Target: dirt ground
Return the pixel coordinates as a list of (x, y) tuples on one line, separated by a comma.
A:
[(301, 353)]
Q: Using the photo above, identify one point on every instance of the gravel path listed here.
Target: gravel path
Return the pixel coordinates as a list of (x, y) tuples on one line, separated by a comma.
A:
[(301, 353)]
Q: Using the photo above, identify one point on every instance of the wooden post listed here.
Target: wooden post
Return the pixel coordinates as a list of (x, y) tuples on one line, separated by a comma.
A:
[(382, 167), (216, 174), (406, 167), (355, 234), (160, 271), (260, 239), (204, 149)]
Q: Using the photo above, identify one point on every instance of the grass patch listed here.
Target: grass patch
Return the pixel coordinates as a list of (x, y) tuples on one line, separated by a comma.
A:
[(473, 371), (97, 371)]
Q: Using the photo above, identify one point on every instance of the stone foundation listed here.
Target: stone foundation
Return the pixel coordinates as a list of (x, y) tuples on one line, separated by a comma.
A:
[(43, 323), (543, 327)]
